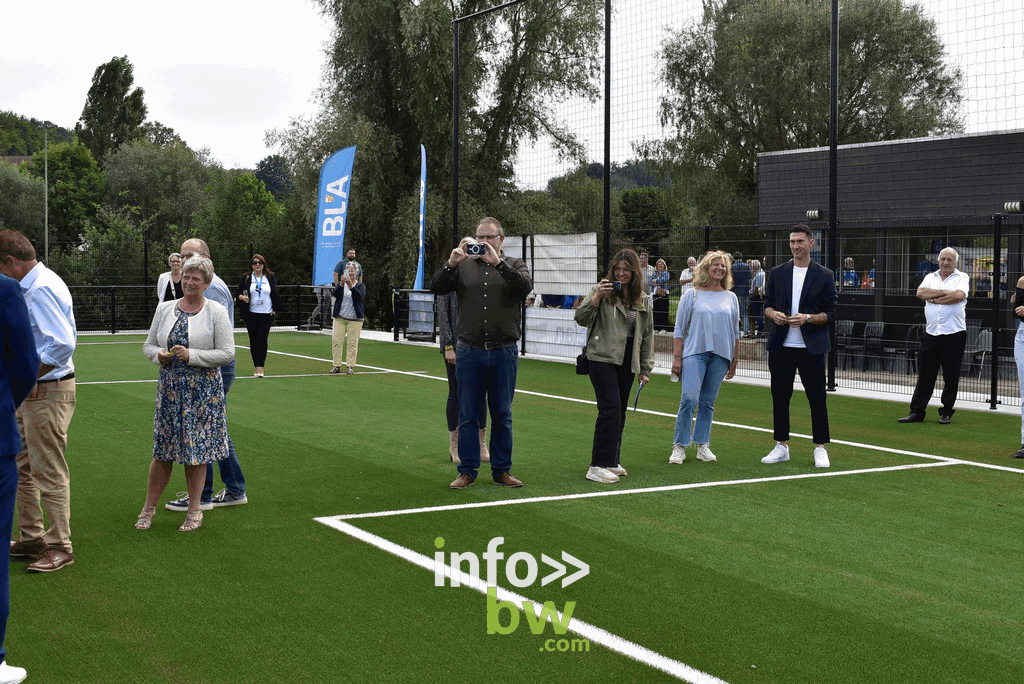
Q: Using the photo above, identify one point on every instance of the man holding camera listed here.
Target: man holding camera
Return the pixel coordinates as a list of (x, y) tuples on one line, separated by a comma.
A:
[(491, 289)]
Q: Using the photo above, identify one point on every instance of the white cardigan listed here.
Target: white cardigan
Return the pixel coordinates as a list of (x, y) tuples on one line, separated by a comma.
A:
[(211, 338), (161, 285)]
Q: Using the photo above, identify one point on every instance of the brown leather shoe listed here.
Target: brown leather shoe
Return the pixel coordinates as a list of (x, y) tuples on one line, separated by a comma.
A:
[(507, 480), (51, 560), (27, 549), (462, 481)]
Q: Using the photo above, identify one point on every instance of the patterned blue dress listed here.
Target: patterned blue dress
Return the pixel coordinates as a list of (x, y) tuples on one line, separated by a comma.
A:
[(190, 426)]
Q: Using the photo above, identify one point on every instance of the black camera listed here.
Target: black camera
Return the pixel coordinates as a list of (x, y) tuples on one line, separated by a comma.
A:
[(617, 286), (476, 249)]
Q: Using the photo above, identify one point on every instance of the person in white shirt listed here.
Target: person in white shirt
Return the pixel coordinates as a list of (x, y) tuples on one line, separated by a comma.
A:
[(800, 298), (686, 277), (44, 481), (646, 271), (945, 310), (755, 299)]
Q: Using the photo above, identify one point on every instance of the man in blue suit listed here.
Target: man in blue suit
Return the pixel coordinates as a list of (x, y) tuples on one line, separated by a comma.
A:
[(19, 365), (800, 299)]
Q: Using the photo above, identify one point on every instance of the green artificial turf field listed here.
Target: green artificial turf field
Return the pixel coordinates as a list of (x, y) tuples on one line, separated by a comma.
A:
[(900, 563)]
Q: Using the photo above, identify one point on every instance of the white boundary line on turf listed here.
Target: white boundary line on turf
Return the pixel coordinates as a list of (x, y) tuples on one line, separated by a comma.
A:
[(593, 634), (620, 492), (754, 428)]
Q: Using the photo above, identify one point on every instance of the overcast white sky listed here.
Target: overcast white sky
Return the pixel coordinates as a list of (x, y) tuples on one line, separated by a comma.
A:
[(219, 73), (222, 74)]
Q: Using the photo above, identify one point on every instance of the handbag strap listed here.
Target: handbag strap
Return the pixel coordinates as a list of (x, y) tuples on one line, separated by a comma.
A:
[(689, 318)]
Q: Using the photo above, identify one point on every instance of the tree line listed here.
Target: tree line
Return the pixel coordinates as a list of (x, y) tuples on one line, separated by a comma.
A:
[(750, 76)]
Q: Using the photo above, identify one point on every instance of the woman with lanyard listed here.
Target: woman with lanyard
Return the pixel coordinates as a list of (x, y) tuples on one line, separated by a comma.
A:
[(168, 285), (260, 302), (659, 294)]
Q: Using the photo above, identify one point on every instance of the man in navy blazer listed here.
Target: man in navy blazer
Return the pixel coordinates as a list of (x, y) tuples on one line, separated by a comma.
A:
[(19, 365), (800, 299)]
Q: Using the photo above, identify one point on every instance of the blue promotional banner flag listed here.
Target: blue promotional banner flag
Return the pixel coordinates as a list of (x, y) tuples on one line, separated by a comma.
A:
[(331, 213), (420, 266)]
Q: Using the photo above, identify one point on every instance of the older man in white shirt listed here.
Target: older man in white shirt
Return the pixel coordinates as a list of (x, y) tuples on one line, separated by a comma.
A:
[(43, 420), (686, 277), (945, 295)]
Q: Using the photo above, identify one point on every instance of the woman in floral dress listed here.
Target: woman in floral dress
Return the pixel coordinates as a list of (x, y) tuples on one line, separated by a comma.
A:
[(190, 338)]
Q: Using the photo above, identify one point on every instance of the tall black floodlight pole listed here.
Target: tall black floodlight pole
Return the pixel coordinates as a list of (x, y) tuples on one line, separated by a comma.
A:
[(997, 277), (455, 136), (833, 170), (607, 132), (455, 113)]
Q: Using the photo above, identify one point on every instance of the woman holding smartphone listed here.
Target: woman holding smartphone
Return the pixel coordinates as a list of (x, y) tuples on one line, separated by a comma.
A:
[(620, 344)]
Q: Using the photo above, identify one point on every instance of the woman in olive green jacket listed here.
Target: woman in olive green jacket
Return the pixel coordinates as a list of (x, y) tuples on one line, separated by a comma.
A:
[(620, 344)]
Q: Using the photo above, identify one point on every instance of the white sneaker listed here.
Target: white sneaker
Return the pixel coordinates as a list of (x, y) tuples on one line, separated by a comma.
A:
[(704, 453), (678, 454), (603, 475), (618, 470), (820, 457), (10, 674), (777, 455)]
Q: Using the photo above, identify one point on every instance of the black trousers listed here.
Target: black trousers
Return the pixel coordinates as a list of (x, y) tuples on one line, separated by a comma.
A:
[(783, 366), (258, 326), (451, 409), (660, 310), (611, 389), (946, 351)]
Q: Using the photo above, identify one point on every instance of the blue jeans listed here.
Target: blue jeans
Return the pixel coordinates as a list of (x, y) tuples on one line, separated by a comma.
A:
[(492, 373), (1018, 355), (744, 318), (702, 378), (8, 488), (230, 470)]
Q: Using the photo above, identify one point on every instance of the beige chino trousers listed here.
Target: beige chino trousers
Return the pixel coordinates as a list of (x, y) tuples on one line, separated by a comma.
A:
[(43, 475)]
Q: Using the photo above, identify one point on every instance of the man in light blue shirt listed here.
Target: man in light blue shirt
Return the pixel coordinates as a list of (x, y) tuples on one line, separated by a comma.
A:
[(44, 480), (230, 469)]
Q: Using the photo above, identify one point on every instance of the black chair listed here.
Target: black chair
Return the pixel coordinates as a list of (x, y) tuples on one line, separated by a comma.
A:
[(874, 344), (981, 348), (844, 334), (912, 346)]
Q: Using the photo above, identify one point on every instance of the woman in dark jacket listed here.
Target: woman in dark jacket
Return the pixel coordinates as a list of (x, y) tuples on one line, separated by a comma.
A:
[(260, 301), (448, 324)]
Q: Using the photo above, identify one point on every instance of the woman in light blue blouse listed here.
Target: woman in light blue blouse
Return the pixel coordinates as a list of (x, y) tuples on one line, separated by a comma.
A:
[(707, 340)]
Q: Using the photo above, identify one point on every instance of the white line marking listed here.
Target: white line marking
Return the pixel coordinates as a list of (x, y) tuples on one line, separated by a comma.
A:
[(643, 490), (593, 634), (738, 426)]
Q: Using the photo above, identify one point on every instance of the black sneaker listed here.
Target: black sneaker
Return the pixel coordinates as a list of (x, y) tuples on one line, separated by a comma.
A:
[(1020, 452), (181, 503)]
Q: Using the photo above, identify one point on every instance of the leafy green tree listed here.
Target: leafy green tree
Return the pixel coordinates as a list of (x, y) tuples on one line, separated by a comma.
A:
[(158, 134), (645, 215), (753, 76), (274, 172), (166, 184), (76, 189), (22, 206), (23, 137), (113, 112), (236, 208), (390, 74)]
